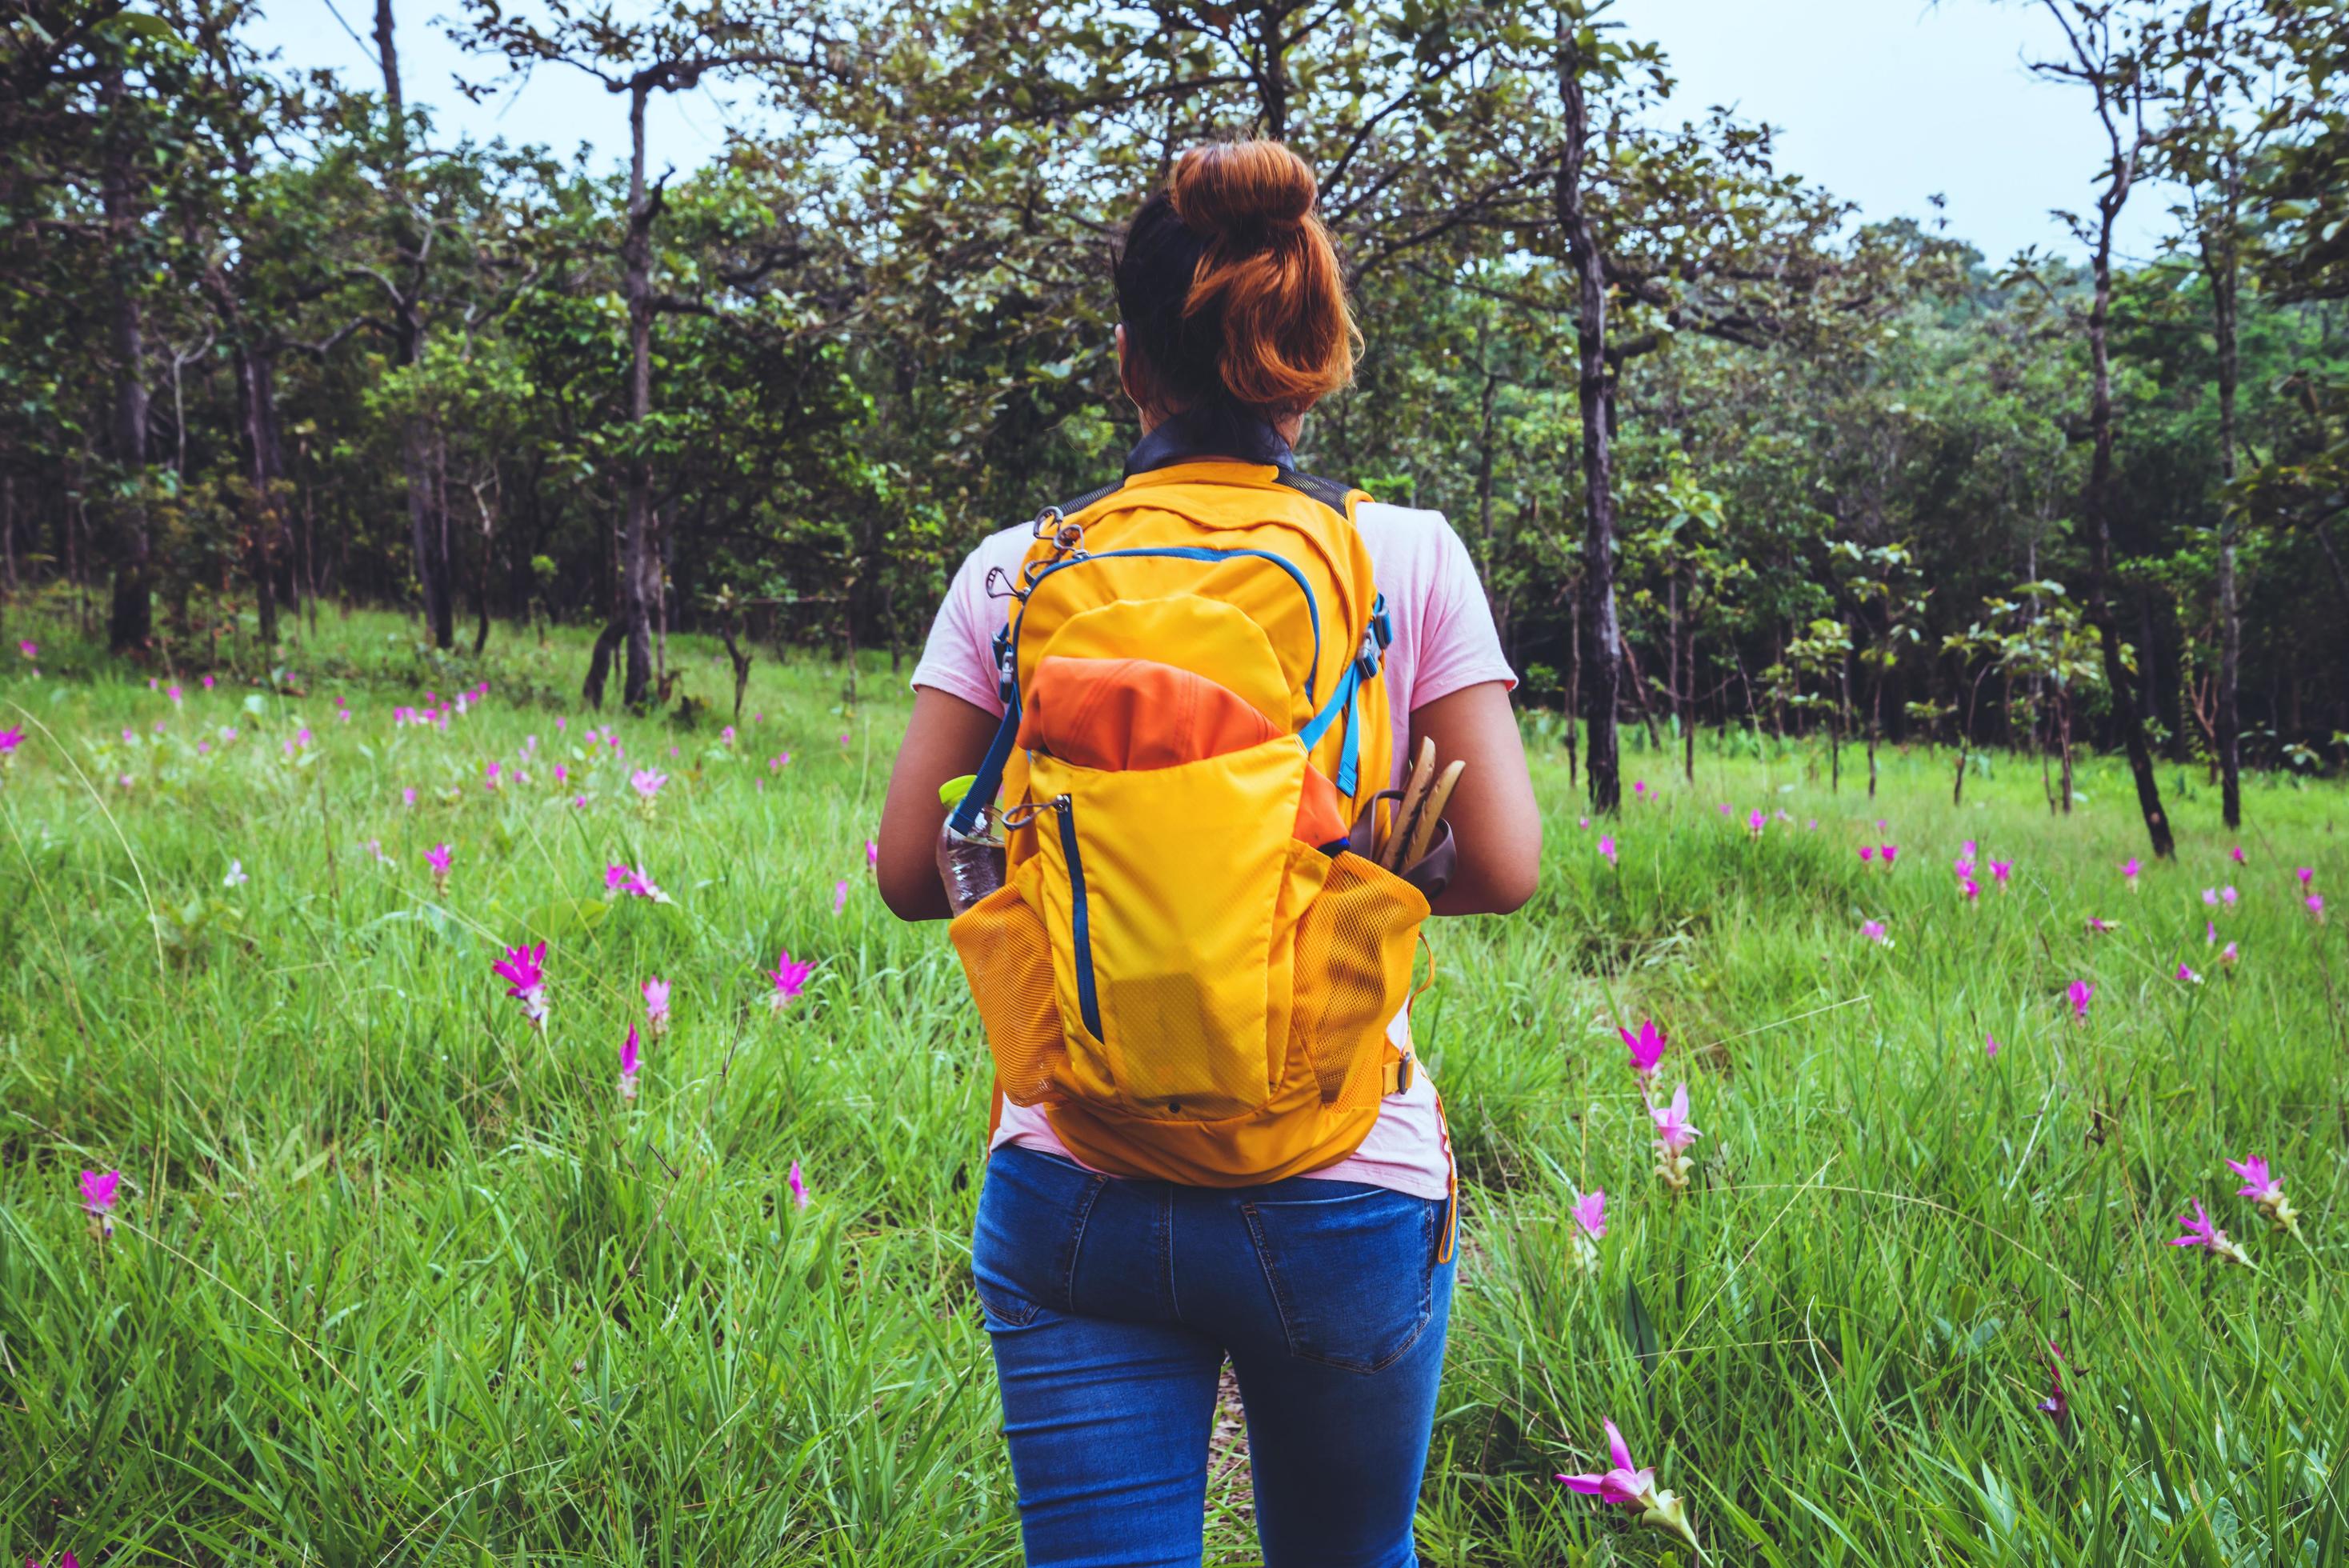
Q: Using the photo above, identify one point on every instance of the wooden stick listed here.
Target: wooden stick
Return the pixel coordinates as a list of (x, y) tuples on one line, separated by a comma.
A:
[(1431, 815), (1414, 795)]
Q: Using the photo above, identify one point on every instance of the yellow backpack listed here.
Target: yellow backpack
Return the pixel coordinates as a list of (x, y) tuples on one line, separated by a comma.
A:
[(1185, 967)]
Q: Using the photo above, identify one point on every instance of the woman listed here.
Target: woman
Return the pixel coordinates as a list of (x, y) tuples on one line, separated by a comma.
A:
[(1112, 1303)]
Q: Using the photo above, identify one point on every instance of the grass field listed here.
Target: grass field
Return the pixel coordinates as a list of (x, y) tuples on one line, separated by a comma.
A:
[(395, 1277)]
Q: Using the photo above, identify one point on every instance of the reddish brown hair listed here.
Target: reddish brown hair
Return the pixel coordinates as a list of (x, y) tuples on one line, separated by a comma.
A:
[(1230, 289)]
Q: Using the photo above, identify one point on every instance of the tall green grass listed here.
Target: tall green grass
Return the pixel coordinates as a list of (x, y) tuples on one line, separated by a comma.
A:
[(397, 1278)]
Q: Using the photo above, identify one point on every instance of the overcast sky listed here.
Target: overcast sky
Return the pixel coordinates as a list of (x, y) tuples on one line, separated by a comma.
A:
[(1885, 102)]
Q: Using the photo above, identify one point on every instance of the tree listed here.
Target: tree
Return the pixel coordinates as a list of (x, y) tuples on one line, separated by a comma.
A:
[(682, 45), (2111, 55)]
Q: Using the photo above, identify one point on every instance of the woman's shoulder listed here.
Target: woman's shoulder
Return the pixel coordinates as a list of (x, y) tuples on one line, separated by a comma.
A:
[(1410, 547)]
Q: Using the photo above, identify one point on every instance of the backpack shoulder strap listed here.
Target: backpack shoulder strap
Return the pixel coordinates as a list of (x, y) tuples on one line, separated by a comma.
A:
[(1338, 498)]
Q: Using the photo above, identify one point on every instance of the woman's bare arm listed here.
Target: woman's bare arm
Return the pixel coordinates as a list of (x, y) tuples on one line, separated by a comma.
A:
[(945, 740), (1495, 824)]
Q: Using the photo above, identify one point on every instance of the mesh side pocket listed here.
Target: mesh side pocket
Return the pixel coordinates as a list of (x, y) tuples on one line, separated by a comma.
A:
[(1354, 947), (1007, 955)]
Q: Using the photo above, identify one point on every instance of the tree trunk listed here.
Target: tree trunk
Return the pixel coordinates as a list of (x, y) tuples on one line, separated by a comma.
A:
[(637, 515), (2097, 504), (1602, 635), (427, 523), (130, 621), (2219, 262), (256, 385)]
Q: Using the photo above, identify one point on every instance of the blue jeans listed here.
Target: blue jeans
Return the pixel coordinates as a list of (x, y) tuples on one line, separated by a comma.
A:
[(1111, 1304)]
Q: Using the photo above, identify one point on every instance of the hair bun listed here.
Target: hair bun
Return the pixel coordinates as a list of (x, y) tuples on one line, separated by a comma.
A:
[(1238, 190)]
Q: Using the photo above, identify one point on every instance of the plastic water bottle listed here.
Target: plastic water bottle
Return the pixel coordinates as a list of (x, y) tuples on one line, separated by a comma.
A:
[(969, 864)]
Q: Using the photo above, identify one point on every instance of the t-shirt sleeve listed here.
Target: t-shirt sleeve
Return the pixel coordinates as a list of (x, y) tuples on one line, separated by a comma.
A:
[(1459, 646), (959, 658)]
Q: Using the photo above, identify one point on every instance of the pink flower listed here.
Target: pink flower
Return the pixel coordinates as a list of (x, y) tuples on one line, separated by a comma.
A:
[(1627, 1486), (2210, 934), (523, 969), (646, 782), (562, 773), (2200, 1232), (2080, 992), (726, 736), (872, 854), (799, 1187), (30, 650), (1726, 808), (2237, 853), (2055, 1405), (1989, 1043), (2227, 896), (2265, 1192), (10, 739), (630, 1060), (1890, 852), (2129, 869), (1639, 787), (1972, 889), (2316, 907), (657, 1004), (1964, 866), (2099, 926), (175, 694), (2000, 870), (1674, 1131), (490, 776), (1647, 1047), (1590, 1212), (436, 857), (98, 1194), (1875, 931), (843, 741), (1867, 851), (1607, 848), (1757, 821), (207, 682), (2228, 957), (2258, 1183), (408, 795), (2211, 896), (791, 978), (2306, 874), (2188, 977), (1624, 1485), (840, 895)]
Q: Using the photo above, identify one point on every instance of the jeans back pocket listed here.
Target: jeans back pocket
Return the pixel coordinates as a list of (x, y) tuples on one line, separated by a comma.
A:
[(1032, 1209), (1352, 1269)]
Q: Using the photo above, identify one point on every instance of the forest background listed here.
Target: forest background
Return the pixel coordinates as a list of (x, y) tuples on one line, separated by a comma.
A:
[(1727, 449)]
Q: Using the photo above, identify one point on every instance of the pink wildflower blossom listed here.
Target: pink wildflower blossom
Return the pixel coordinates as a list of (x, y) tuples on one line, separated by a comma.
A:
[(2129, 869), (2236, 854), (2056, 1406), (630, 1060), (98, 1194), (791, 978), (2201, 1232), (1989, 1043), (657, 1004), (646, 782), (2188, 977), (2265, 1192), (1647, 1047), (1890, 853), (1867, 851), (1875, 931), (523, 969), (2306, 874), (840, 895), (2080, 992), (1627, 1486), (2228, 957), (1590, 1214), (1971, 889), (2000, 870), (798, 1186), (2316, 907), (1607, 848), (1756, 822), (436, 857)]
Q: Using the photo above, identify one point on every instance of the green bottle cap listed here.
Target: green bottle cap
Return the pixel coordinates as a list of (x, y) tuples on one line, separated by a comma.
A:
[(951, 792)]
